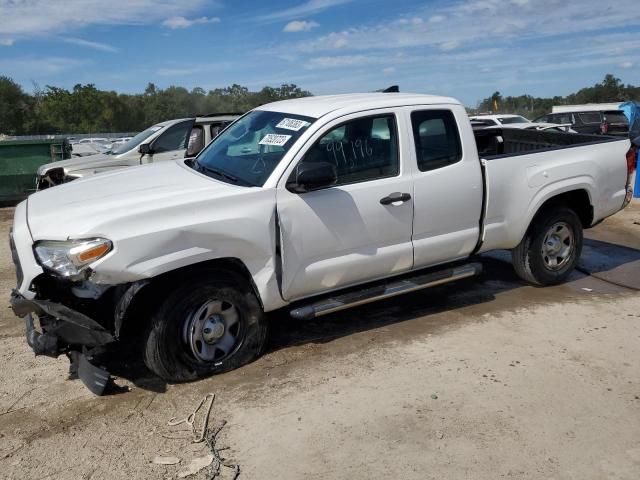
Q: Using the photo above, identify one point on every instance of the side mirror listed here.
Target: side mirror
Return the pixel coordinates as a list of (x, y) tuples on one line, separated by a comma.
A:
[(145, 149), (312, 176)]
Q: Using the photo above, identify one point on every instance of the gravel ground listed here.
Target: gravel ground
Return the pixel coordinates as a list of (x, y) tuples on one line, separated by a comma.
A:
[(483, 379)]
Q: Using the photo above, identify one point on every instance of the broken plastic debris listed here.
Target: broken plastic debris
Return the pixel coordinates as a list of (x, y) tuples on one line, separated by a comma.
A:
[(434, 396), (166, 460), (196, 465), (587, 289)]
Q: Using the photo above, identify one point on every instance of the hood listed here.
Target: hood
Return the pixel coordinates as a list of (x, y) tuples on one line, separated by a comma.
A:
[(93, 163), (102, 204)]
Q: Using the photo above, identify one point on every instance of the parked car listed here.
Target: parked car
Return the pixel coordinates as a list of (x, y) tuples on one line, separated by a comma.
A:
[(306, 206), (93, 140), (87, 149), (498, 120), (610, 122), (161, 142), (120, 140)]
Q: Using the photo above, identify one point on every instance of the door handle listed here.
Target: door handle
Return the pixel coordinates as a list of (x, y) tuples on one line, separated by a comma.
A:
[(395, 197)]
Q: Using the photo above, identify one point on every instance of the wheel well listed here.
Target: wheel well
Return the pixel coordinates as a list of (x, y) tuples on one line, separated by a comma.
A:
[(127, 328), (576, 200)]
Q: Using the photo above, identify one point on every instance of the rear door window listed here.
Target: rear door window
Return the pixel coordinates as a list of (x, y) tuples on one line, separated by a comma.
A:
[(564, 118), (196, 141), (436, 138), (217, 127)]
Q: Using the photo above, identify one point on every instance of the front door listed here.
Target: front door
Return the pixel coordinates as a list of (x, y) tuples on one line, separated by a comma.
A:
[(350, 232)]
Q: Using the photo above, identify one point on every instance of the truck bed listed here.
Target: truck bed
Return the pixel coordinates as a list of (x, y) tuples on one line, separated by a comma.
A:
[(524, 168), (501, 142)]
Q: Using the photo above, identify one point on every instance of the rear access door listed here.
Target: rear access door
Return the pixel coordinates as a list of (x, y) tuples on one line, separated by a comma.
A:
[(448, 184)]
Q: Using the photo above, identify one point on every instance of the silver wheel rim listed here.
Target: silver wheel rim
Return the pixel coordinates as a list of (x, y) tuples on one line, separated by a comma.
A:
[(558, 246), (211, 332)]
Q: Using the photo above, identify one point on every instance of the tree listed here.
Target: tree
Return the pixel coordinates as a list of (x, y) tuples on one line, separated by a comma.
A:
[(15, 106), (151, 89), (87, 109), (610, 89)]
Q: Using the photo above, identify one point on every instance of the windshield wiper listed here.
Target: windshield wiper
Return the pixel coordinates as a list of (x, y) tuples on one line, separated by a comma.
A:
[(222, 173)]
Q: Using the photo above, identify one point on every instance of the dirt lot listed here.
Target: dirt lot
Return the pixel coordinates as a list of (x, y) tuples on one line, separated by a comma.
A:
[(483, 379)]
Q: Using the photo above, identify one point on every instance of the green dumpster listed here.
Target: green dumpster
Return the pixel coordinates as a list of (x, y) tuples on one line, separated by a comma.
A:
[(19, 162)]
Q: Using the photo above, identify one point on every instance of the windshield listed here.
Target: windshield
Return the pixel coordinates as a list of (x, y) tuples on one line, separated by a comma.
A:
[(507, 120), (249, 150), (135, 141)]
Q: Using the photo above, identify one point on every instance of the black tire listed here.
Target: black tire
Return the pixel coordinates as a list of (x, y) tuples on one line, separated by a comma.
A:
[(532, 263), (168, 350)]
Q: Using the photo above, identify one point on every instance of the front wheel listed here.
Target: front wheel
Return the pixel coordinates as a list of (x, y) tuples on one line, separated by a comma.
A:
[(550, 249), (209, 325)]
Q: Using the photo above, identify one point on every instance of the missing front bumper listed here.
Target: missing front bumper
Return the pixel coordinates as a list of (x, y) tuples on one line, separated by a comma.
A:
[(65, 331)]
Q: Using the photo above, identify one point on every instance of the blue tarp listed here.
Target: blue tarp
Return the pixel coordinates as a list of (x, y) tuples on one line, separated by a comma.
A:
[(632, 112)]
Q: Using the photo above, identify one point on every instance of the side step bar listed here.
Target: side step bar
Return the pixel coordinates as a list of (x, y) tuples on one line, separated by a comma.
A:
[(388, 290)]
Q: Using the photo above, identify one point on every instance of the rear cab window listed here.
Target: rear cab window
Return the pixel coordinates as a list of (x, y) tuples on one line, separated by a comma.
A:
[(436, 138)]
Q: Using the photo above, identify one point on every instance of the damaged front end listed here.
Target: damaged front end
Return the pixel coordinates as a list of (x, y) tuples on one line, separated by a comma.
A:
[(76, 327), (65, 310), (65, 331)]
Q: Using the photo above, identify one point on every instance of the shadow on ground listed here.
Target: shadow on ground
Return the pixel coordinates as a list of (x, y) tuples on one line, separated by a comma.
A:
[(611, 263)]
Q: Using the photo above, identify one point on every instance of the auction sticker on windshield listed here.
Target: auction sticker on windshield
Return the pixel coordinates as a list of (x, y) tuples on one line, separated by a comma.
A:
[(292, 124), (274, 139)]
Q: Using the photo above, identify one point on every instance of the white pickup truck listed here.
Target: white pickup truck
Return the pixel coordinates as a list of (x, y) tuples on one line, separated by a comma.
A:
[(304, 206)]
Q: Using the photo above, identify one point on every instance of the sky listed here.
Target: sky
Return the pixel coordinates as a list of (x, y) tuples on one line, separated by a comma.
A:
[(462, 48)]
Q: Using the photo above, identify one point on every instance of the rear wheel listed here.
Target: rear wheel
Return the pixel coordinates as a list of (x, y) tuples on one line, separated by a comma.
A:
[(210, 325), (551, 247)]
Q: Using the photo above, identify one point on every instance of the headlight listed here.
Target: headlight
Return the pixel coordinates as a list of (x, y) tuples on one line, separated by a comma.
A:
[(70, 258)]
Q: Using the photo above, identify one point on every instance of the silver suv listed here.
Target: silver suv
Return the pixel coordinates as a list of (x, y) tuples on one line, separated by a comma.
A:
[(170, 140)]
